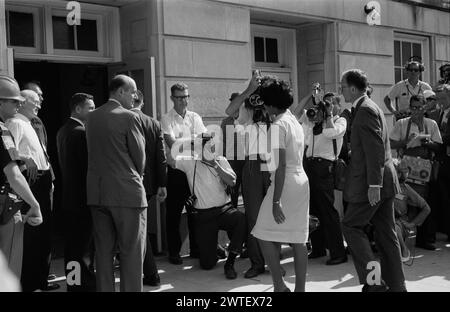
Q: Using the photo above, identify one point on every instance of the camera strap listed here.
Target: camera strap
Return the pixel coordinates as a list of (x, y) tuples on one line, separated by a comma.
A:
[(335, 149), (193, 182)]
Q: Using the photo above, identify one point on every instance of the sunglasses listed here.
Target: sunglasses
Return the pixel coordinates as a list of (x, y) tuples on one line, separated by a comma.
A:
[(431, 99)]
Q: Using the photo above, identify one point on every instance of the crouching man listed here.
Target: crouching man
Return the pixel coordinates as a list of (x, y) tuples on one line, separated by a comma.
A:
[(209, 176)]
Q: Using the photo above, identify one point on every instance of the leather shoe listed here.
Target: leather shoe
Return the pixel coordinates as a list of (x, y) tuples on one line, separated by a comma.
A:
[(175, 260), (230, 273), (335, 261), (254, 272), (374, 288), (50, 287), (51, 277), (153, 280), (315, 255), (221, 253), (427, 246)]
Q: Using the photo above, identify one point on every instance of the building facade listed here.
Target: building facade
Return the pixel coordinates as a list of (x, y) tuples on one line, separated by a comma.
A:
[(213, 45)]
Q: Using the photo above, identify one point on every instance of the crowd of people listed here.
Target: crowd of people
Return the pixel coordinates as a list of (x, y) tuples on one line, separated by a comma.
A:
[(282, 158)]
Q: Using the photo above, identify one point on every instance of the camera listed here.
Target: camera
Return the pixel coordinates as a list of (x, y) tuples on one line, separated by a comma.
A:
[(320, 107), (189, 204)]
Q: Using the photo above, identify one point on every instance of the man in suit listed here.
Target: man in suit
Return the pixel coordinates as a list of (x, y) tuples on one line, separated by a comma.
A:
[(155, 179), (72, 156), (370, 189), (115, 189)]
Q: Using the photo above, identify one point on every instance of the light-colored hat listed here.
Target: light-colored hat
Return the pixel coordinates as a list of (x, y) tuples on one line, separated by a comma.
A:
[(428, 93), (9, 89)]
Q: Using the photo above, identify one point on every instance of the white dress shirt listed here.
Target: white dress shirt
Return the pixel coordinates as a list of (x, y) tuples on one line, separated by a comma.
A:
[(176, 126), (27, 141), (322, 145), (209, 188), (77, 120)]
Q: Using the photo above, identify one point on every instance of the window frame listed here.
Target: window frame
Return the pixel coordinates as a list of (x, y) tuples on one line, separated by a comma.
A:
[(37, 22), (425, 50), (87, 16), (280, 44)]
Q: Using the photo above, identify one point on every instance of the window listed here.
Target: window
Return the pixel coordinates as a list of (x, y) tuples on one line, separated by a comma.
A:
[(66, 37), (406, 46), (265, 49), (20, 29)]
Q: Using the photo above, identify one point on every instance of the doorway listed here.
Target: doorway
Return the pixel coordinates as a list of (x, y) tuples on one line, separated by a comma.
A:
[(59, 81)]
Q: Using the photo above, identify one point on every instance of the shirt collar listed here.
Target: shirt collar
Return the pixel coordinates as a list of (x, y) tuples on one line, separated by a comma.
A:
[(418, 83), (174, 114), (115, 101), (78, 120), (357, 100), (23, 117)]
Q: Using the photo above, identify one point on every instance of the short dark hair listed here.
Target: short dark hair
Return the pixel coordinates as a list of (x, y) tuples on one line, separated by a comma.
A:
[(27, 85), (117, 82), (417, 98), (356, 78), (78, 99), (179, 86), (140, 97), (276, 92)]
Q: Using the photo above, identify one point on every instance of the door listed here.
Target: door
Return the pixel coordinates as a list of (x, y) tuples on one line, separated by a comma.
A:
[(143, 72)]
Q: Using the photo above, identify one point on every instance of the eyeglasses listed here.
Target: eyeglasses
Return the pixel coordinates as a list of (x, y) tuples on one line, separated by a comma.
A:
[(341, 88), (181, 97), (415, 70), (417, 108)]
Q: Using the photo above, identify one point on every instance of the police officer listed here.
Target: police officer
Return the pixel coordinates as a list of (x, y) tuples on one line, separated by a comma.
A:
[(11, 233)]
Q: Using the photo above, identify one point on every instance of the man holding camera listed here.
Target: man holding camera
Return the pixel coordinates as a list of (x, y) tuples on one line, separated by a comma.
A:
[(418, 136), (323, 137), (180, 126), (401, 93), (210, 205)]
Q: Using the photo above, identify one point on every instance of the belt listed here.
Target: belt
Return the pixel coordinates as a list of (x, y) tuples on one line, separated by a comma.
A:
[(223, 207), (318, 159)]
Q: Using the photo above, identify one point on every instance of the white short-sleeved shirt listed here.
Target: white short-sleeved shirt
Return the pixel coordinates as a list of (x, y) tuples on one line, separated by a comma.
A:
[(254, 135), (322, 145), (209, 189), (27, 141), (178, 127), (401, 127), (402, 91)]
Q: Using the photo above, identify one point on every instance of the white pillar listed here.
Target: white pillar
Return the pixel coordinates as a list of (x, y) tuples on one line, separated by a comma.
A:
[(5, 55)]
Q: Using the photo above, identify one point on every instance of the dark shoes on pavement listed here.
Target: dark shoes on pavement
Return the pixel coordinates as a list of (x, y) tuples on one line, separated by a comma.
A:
[(153, 280), (175, 260), (427, 246), (230, 272), (335, 261), (50, 287), (254, 272), (315, 255), (374, 288)]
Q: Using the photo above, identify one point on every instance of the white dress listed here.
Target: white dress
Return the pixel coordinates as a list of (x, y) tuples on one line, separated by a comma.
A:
[(295, 195)]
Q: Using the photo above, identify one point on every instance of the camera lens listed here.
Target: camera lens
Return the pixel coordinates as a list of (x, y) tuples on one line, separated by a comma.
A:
[(311, 113)]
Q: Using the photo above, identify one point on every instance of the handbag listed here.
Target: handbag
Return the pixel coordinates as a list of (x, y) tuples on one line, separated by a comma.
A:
[(339, 170), (10, 203)]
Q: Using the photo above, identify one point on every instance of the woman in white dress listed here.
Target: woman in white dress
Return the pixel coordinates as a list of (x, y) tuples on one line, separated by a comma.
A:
[(284, 213)]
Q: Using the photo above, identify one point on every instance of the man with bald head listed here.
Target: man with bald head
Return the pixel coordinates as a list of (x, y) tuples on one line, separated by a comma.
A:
[(37, 240), (115, 189)]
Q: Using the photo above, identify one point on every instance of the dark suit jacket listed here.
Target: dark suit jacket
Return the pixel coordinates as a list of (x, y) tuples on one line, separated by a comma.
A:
[(116, 157), (155, 173), (371, 160), (72, 156)]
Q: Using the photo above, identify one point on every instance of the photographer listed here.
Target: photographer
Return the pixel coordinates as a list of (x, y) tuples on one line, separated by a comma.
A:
[(323, 139), (251, 125), (418, 137), (210, 206)]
